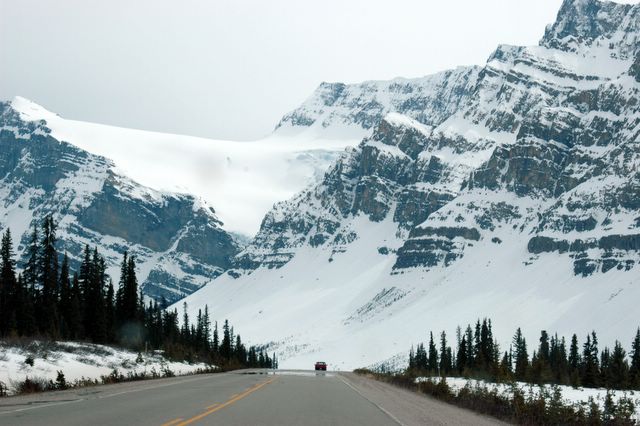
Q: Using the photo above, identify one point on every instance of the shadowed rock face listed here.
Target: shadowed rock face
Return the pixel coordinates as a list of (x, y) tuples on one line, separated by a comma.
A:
[(542, 143), (178, 242)]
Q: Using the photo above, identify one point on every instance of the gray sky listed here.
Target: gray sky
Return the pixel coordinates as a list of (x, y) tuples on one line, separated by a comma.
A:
[(230, 69)]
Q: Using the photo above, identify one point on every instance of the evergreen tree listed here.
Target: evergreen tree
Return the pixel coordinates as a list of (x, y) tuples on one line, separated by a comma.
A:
[(216, 340), (206, 329), (432, 359), (10, 300), (26, 314), (412, 358), (445, 355), (574, 362), (521, 356), (48, 279), (468, 334), (225, 346), (31, 270), (634, 368), (590, 368), (65, 298), (462, 360), (76, 311)]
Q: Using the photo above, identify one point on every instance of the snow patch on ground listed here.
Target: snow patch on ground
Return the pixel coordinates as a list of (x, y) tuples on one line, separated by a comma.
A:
[(80, 361), (570, 395)]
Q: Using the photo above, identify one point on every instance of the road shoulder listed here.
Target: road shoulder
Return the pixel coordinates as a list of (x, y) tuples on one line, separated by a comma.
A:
[(410, 408)]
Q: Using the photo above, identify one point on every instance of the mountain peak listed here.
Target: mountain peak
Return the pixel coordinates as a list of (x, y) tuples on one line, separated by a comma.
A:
[(29, 110), (584, 22)]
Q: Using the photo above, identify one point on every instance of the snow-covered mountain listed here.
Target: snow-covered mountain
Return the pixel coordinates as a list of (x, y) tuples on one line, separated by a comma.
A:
[(242, 180), (177, 239), (510, 191)]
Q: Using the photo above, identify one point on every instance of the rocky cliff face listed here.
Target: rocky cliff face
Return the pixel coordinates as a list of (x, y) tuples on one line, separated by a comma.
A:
[(177, 240), (542, 140), (428, 100)]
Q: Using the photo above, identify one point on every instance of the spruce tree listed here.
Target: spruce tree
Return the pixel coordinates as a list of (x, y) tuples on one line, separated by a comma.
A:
[(65, 299), (225, 346), (521, 356), (31, 270), (10, 300), (445, 353), (590, 363), (618, 368), (432, 359), (216, 340), (634, 368), (461, 361), (574, 362), (48, 279)]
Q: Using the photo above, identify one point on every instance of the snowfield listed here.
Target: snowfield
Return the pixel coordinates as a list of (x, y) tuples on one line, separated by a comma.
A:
[(241, 180), (351, 310), (81, 361)]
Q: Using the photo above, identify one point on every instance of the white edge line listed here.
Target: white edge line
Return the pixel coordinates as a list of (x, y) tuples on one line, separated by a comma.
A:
[(35, 407), (394, 418)]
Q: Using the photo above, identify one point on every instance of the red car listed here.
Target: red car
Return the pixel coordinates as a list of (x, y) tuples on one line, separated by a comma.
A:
[(321, 366)]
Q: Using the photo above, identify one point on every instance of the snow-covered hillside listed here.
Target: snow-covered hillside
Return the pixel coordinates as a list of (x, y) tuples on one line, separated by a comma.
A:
[(519, 202)]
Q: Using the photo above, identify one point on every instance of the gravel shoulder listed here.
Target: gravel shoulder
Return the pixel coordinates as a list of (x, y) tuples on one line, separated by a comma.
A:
[(409, 408)]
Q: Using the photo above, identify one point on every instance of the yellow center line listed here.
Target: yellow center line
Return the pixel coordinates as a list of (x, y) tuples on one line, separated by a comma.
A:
[(213, 406), (172, 422), (221, 406)]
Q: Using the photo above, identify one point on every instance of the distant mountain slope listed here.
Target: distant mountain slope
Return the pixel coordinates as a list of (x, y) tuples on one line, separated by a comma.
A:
[(177, 239), (519, 201)]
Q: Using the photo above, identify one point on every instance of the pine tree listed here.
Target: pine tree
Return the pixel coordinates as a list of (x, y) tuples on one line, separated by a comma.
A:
[(110, 315), (9, 291), (521, 356), (26, 315), (462, 360), (76, 310), (48, 279), (422, 360), (412, 357), (31, 270), (185, 331), (470, 354), (225, 346), (445, 354), (574, 362), (206, 329), (216, 340), (634, 368), (65, 298), (432, 359), (590, 364)]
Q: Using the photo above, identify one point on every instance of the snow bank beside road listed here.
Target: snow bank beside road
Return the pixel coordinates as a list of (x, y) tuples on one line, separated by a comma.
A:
[(80, 361)]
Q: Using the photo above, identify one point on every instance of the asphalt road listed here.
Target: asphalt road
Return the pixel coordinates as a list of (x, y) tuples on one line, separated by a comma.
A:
[(238, 398)]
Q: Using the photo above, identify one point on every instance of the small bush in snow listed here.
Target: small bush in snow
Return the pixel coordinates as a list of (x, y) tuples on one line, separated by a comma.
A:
[(29, 360), (61, 381)]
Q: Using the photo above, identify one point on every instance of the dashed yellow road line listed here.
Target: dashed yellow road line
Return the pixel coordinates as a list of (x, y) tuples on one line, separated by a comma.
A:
[(217, 407), (172, 422)]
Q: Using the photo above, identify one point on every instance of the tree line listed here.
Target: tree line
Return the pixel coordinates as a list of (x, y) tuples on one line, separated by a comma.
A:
[(49, 300), (478, 355)]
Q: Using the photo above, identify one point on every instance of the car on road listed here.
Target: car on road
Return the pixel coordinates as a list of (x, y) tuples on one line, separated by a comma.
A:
[(321, 366)]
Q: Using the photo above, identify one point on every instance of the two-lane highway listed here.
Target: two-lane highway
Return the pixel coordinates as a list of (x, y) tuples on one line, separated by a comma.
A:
[(237, 398)]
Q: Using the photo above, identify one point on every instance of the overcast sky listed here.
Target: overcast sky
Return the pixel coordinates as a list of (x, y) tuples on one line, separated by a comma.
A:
[(230, 69)]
